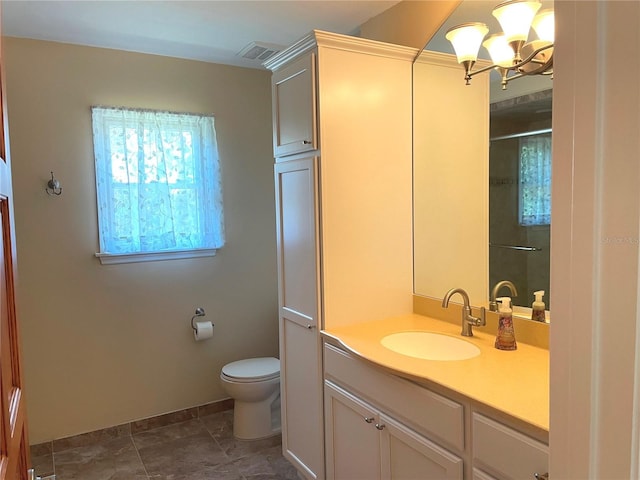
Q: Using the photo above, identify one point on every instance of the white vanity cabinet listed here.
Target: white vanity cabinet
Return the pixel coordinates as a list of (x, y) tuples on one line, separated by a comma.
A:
[(364, 443), (381, 426), (342, 144), (368, 434)]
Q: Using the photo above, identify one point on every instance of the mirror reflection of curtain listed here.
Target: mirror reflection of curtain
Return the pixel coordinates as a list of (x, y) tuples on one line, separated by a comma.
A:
[(519, 213), (535, 180)]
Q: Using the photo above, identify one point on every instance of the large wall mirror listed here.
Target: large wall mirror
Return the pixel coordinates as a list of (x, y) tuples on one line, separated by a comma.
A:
[(503, 192)]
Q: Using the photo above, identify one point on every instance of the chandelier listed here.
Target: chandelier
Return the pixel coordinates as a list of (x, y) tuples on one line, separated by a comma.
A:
[(512, 56)]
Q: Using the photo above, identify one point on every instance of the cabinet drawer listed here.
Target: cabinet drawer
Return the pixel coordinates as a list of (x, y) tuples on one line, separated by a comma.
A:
[(506, 453), (480, 475), (423, 410)]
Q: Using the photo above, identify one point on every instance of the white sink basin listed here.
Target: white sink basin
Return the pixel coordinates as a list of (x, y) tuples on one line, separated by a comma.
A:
[(430, 346)]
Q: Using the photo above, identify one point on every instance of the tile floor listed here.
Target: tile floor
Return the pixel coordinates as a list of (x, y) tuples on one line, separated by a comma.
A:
[(196, 449)]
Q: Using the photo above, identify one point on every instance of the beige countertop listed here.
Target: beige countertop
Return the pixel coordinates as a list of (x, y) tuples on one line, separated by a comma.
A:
[(514, 382)]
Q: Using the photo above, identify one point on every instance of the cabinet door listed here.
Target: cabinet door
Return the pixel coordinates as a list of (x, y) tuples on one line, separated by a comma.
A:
[(297, 241), (407, 455), (301, 398), (294, 107), (352, 439), (300, 348)]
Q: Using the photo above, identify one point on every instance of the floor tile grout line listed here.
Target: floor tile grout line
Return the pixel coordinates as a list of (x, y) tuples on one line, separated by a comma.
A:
[(215, 440), (53, 460), (224, 452), (144, 467)]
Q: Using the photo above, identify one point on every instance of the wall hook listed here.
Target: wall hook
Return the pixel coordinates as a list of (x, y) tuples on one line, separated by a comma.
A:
[(53, 186)]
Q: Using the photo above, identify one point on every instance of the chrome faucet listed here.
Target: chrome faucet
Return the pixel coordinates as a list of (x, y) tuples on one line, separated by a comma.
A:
[(467, 319), (493, 303)]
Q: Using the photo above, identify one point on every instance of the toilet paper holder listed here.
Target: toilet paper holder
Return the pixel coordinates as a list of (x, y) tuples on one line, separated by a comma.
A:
[(199, 313)]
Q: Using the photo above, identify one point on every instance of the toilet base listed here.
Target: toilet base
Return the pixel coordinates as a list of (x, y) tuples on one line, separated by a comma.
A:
[(255, 421)]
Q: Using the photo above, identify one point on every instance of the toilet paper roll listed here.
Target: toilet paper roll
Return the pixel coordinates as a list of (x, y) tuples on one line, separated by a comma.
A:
[(203, 330)]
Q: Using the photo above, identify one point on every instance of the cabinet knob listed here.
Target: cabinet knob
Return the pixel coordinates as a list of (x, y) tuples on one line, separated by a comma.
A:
[(368, 419), (541, 476), (380, 426), (306, 142), (310, 326)]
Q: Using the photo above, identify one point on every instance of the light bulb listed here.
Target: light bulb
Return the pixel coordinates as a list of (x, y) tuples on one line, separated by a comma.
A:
[(544, 25), (515, 18), (466, 40), (500, 51)]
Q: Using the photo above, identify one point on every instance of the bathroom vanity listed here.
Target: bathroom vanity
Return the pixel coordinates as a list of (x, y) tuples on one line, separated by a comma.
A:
[(351, 409), (480, 418)]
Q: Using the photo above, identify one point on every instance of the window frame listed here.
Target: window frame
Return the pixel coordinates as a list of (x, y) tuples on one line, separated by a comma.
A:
[(107, 258), (116, 258)]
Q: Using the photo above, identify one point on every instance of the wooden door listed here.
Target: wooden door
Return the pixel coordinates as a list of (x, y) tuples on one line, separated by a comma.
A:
[(14, 446)]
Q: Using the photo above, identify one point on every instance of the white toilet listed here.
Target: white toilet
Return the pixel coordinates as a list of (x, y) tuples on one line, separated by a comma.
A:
[(254, 384)]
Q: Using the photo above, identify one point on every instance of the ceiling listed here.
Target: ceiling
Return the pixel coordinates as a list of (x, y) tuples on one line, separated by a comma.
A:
[(206, 30), (215, 30)]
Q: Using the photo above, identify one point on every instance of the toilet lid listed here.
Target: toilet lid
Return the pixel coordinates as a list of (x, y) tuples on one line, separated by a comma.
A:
[(253, 368)]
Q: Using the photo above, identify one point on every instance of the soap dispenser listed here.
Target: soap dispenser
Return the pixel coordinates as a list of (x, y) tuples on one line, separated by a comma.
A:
[(538, 307), (506, 338)]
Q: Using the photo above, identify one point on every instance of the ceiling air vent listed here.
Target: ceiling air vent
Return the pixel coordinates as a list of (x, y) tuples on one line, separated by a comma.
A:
[(259, 51)]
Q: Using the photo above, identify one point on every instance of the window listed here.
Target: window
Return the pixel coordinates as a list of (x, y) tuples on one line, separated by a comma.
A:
[(535, 180), (158, 185)]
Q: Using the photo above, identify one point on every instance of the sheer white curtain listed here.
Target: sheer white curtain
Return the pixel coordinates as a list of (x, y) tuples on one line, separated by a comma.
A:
[(535, 180), (158, 181)]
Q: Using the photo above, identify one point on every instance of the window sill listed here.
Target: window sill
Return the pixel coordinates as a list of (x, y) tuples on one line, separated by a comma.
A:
[(110, 258)]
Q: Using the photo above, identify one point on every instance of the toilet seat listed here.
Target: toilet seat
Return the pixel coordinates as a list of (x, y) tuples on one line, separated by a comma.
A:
[(252, 370)]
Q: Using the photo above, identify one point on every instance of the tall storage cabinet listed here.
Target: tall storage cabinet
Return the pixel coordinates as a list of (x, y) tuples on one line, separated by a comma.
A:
[(342, 146), (298, 281)]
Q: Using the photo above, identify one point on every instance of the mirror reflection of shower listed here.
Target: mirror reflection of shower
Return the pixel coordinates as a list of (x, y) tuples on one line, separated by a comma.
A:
[(520, 195)]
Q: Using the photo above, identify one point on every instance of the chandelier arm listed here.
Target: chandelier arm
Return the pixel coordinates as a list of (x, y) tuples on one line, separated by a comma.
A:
[(513, 77), (512, 68), (485, 69), (531, 57)]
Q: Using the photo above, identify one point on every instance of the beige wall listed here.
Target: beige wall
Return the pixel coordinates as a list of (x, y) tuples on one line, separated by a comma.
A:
[(409, 22), (104, 345)]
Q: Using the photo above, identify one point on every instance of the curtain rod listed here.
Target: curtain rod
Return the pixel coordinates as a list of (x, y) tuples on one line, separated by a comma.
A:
[(151, 110)]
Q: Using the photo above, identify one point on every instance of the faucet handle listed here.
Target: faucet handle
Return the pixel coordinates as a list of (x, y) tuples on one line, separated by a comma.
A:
[(483, 317), (478, 321)]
